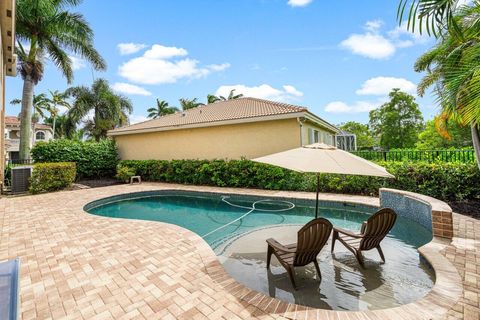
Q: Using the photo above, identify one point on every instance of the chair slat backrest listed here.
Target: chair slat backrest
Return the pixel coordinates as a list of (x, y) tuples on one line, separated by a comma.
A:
[(311, 239), (377, 227)]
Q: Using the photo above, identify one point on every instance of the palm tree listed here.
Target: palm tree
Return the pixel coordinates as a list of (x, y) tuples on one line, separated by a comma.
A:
[(40, 105), (453, 68), (231, 96), (161, 109), (56, 99), (431, 16), (108, 110), (189, 103), (61, 123), (50, 31)]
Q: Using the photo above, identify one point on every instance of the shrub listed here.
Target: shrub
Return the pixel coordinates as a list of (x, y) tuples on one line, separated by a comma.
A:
[(47, 177), (124, 173), (447, 181), (93, 159)]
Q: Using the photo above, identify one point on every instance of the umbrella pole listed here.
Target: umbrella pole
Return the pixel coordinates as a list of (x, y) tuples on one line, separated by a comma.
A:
[(318, 191)]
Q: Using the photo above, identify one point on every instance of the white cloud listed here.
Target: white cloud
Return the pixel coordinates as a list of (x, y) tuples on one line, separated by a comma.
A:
[(293, 91), (376, 45), (218, 67), (381, 86), (299, 3), (161, 52), (158, 66), (342, 107), (403, 38), (378, 86), (130, 48), (128, 88), (373, 25), (369, 45), (77, 63), (136, 119), (263, 91)]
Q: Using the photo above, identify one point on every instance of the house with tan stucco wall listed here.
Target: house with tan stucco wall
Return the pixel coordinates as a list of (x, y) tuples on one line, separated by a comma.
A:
[(233, 129)]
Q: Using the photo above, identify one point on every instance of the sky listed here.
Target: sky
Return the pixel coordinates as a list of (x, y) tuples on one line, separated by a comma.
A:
[(338, 58)]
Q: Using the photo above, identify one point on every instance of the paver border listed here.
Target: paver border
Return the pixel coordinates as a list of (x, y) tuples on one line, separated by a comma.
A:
[(445, 293)]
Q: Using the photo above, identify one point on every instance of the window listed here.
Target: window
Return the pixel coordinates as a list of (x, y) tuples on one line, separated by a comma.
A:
[(40, 135), (313, 136)]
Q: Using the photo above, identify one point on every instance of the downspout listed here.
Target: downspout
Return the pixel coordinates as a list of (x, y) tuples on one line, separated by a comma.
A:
[(300, 122)]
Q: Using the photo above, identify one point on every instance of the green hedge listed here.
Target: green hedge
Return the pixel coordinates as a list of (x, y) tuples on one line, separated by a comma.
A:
[(93, 159), (47, 177), (448, 181)]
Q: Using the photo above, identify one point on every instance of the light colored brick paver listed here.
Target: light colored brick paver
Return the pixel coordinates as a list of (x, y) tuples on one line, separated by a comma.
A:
[(79, 266)]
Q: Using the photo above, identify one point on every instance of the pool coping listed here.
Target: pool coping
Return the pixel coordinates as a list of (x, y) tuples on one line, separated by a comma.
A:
[(445, 293)]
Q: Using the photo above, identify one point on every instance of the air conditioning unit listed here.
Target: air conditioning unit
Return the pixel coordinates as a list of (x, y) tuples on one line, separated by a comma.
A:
[(21, 178)]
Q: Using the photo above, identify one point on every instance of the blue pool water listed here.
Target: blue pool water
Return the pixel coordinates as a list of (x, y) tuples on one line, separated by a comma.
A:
[(236, 226), (203, 214)]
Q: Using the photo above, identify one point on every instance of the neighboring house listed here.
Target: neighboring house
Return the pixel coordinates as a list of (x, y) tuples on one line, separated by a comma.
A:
[(40, 132), (233, 129), (7, 66)]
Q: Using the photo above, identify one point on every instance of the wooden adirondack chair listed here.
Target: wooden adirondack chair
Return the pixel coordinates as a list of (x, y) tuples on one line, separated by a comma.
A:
[(373, 231), (311, 239)]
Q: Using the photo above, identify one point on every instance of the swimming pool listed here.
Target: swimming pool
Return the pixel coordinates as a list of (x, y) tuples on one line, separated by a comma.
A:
[(236, 228)]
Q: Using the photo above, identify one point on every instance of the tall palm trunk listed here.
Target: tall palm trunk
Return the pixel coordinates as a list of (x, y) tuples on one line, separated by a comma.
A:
[(476, 141), (54, 120), (26, 118)]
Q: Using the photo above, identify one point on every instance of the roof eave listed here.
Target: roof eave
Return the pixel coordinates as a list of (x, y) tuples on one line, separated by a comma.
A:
[(119, 132), (314, 118), (7, 14)]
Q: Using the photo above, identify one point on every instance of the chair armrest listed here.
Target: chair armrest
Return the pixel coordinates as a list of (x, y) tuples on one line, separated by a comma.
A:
[(364, 227), (278, 246), (348, 233)]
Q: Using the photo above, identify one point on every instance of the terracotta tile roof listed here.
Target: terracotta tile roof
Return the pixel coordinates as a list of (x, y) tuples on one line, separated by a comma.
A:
[(15, 121), (12, 120), (230, 110)]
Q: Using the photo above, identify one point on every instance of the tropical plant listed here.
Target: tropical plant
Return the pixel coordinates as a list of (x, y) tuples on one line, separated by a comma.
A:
[(161, 109), (60, 125), (189, 103), (109, 110), (231, 96), (40, 104), (453, 69), (56, 99), (50, 31), (431, 16), (452, 135), (397, 122)]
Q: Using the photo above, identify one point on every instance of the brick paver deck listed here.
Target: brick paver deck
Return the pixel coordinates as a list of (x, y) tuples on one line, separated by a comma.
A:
[(79, 266)]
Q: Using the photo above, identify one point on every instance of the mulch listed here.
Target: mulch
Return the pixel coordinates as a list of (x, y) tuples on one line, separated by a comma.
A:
[(95, 183), (469, 208)]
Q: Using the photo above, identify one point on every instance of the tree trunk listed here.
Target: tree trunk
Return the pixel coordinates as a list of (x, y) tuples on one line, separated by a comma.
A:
[(54, 120), (26, 118), (476, 141)]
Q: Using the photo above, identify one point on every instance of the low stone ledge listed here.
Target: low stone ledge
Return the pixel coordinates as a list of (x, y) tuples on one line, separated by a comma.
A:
[(431, 213)]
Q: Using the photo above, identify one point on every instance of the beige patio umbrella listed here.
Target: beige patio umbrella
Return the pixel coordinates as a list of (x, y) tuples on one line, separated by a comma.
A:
[(322, 158)]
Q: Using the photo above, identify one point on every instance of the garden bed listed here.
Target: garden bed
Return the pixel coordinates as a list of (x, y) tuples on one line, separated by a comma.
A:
[(96, 183), (469, 208)]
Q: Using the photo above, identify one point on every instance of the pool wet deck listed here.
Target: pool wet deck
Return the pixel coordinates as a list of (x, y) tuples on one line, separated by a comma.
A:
[(80, 266), (344, 285)]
